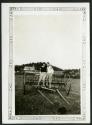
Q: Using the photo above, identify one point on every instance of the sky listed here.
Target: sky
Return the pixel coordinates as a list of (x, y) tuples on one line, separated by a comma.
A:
[(48, 38)]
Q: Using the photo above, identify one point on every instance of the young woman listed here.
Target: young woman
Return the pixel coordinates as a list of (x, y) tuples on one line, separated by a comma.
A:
[(50, 73)]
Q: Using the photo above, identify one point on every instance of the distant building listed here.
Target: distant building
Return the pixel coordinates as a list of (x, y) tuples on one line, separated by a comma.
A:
[(29, 69)]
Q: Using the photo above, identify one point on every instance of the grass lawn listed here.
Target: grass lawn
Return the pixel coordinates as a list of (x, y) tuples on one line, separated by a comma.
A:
[(33, 103)]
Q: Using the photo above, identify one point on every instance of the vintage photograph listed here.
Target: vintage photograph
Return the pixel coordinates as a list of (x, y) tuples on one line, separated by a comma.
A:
[(48, 62)]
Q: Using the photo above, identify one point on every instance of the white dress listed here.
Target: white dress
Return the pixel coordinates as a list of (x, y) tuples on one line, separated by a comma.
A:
[(50, 69)]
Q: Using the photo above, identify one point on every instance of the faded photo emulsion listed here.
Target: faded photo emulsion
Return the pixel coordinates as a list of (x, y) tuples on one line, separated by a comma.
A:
[(47, 62)]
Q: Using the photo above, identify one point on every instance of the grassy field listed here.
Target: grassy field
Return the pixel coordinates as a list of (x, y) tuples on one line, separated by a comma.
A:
[(33, 103)]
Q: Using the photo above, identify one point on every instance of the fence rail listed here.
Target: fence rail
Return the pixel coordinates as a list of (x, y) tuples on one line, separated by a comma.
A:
[(32, 78)]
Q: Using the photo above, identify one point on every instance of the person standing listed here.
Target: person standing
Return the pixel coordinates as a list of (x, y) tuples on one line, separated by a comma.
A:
[(43, 74), (50, 72)]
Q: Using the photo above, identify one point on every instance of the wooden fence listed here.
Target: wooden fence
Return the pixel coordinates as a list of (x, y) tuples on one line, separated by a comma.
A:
[(32, 78)]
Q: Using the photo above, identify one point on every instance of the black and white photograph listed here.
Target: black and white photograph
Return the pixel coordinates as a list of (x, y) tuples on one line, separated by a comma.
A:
[(47, 63)]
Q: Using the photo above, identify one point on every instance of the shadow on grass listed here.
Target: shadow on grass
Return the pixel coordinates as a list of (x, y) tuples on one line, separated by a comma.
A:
[(32, 103)]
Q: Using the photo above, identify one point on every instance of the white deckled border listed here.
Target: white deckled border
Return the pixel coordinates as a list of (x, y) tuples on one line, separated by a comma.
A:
[(9, 116)]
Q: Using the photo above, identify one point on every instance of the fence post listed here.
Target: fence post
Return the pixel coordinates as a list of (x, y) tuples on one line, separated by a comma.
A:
[(24, 82)]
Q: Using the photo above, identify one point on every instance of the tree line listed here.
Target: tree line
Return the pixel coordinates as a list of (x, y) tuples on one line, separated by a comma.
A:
[(74, 73)]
